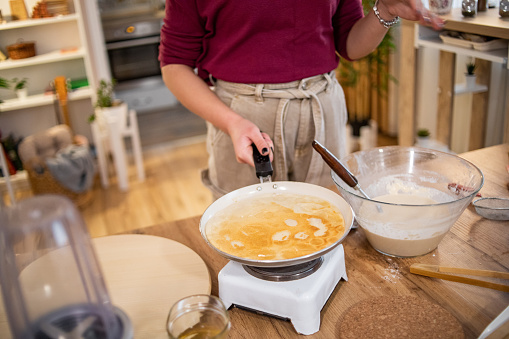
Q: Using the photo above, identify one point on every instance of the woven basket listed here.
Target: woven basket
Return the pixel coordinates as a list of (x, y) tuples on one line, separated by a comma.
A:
[(42, 182), (21, 50)]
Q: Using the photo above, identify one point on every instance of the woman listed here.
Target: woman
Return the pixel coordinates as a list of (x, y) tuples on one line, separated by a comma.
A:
[(271, 64)]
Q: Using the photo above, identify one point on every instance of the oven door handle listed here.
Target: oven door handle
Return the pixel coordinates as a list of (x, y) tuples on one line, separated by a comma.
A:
[(133, 43)]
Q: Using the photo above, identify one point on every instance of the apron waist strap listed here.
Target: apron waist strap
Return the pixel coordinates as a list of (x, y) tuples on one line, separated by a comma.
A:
[(302, 89)]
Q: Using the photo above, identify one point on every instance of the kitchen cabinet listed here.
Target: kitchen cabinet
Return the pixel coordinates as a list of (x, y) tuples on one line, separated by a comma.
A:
[(414, 36)]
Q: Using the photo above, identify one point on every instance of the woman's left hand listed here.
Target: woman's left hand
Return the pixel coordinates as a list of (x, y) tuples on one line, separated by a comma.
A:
[(412, 10)]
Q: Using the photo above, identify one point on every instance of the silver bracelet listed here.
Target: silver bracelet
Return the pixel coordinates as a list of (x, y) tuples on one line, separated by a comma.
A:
[(386, 24)]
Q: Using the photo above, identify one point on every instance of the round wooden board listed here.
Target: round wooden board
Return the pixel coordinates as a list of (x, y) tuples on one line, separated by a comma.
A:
[(146, 275)]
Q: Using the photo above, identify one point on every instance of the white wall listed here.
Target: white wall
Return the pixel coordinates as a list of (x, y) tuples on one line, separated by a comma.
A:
[(95, 40)]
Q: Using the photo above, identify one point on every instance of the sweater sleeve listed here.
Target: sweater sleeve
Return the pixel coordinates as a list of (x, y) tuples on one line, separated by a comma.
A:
[(181, 34), (347, 14)]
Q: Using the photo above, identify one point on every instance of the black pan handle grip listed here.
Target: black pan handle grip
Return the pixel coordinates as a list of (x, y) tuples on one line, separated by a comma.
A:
[(335, 164), (262, 163)]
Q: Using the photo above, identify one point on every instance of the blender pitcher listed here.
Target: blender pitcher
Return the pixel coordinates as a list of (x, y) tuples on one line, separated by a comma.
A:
[(51, 280)]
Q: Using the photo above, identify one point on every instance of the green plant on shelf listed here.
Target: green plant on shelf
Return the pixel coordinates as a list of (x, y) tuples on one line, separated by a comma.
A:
[(423, 132), (4, 83), (471, 68), (19, 83)]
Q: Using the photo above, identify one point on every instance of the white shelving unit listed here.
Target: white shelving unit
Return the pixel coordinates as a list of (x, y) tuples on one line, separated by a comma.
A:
[(61, 50)]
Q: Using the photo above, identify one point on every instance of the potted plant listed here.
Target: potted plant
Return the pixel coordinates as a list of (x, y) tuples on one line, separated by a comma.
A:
[(106, 106), (105, 94), (20, 87), (470, 76), (423, 137), (4, 83), (423, 132)]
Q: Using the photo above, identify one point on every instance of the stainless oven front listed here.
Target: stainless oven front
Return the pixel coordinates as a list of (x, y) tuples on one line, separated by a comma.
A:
[(132, 45), (134, 59)]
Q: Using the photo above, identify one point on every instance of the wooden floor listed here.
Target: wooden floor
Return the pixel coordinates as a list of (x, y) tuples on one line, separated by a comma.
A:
[(172, 189)]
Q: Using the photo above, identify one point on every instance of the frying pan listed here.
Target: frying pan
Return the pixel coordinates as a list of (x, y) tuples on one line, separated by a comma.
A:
[(278, 188)]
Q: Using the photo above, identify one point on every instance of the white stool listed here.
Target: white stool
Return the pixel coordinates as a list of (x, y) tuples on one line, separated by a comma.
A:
[(109, 137)]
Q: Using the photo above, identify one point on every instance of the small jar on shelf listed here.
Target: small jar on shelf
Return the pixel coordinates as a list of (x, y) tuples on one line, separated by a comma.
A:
[(469, 8), (503, 8)]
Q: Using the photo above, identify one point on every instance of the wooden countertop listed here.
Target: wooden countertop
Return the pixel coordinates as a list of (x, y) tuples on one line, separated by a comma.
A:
[(486, 22), (473, 242)]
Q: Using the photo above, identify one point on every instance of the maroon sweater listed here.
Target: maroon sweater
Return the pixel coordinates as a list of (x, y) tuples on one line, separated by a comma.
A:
[(257, 41)]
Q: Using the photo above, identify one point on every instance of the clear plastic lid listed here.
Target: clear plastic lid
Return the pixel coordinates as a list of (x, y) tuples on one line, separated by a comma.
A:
[(51, 280)]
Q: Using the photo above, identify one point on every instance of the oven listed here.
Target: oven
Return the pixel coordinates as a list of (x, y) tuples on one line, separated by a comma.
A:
[(132, 45)]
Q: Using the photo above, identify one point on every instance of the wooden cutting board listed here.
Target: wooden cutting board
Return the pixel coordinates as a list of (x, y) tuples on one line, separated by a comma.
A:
[(145, 275)]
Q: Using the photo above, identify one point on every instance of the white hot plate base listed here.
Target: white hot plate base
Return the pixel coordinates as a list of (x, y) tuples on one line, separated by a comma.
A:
[(299, 300)]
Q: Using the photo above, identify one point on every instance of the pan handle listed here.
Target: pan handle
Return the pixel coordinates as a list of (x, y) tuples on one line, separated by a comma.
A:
[(262, 163), (335, 164)]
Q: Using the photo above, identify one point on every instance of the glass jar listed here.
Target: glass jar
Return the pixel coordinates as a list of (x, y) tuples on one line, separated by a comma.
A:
[(198, 316), (503, 8), (469, 8)]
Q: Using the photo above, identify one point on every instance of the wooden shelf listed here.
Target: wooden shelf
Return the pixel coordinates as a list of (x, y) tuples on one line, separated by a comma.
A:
[(497, 55), (47, 58), (487, 23), (37, 22), (430, 38), (42, 99)]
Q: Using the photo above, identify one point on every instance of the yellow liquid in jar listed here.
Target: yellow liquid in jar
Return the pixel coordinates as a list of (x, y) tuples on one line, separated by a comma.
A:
[(203, 333)]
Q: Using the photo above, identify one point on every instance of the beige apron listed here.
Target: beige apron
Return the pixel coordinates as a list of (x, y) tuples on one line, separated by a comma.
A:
[(292, 114)]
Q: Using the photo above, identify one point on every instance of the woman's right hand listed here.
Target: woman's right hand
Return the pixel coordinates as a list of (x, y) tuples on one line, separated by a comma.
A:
[(244, 133)]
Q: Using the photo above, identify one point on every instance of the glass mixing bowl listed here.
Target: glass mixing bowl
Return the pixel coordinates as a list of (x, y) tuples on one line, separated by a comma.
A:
[(416, 196)]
